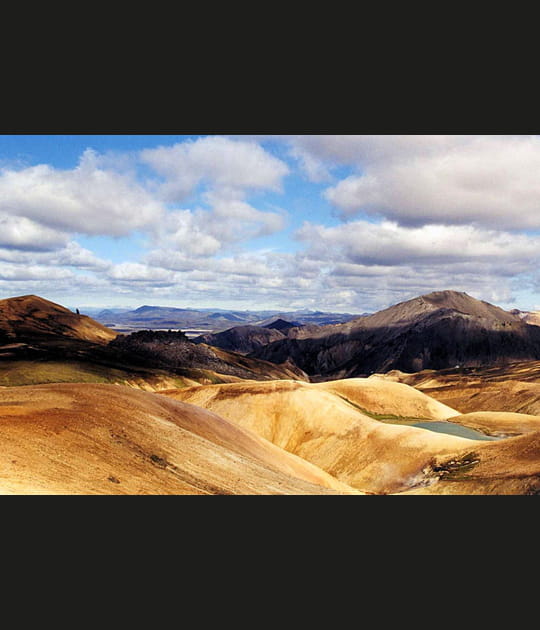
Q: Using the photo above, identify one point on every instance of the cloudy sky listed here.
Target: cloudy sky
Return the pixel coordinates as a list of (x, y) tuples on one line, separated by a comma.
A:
[(340, 223)]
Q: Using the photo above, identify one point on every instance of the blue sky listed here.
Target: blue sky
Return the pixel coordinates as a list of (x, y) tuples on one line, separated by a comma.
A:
[(343, 223)]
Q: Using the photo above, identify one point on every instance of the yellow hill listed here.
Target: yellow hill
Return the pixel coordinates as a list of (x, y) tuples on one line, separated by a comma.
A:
[(499, 423), (335, 426), (109, 439)]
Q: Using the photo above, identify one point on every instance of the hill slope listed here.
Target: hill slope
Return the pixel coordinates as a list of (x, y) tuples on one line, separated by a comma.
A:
[(30, 317), (340, 428), (44, 342), (242, 339), (436, 331), (106, 439), (513, 388)]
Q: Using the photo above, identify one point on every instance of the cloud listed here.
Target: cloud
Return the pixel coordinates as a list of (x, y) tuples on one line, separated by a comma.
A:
[(87, 199), (27, 235), (331, 151), (218, 162), (388, 243), (9, 271), (485, 180), (140, 273)]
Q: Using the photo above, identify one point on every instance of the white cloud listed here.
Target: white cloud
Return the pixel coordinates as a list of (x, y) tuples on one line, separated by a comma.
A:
[(73, 255), (140, 273), (27, 235), (220, 163), (329, 151), (9, 271), (388, 243), (87, 199), (488, 180)]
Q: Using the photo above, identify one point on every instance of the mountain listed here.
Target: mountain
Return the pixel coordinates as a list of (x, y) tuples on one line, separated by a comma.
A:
[(174, 351), (104, 439), (439, 330), (43, 342), (282, 325), (207, 320), (530, 317), (30, 317), (242, 339)]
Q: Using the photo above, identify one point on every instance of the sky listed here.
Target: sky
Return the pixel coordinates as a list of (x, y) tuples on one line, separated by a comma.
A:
[(335, 223)]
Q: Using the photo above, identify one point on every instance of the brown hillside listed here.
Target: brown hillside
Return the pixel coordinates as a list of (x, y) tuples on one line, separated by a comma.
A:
[(338, 430), (32, 317), (108, 439)]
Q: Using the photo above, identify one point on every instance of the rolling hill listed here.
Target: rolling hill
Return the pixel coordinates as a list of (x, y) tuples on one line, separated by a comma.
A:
[(105, 439), (513, 388), (359, 431), (43, 342)]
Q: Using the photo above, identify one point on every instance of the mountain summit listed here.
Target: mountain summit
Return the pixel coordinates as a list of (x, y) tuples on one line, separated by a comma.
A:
[(438, 330), (28, 317)]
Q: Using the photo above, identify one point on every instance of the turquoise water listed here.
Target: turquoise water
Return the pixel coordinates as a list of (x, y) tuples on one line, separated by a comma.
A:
[(451, 428)]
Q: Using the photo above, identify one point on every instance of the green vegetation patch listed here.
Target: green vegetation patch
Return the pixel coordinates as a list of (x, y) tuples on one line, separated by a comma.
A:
[(385, 417), (457, 469), (19, 373)]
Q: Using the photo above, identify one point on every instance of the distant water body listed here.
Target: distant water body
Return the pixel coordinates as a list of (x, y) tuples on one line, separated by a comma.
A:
[(451, 428)]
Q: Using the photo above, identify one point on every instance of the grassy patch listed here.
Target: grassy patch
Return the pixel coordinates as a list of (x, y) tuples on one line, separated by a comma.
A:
[(457, 469), (17, 373), (385, 417)]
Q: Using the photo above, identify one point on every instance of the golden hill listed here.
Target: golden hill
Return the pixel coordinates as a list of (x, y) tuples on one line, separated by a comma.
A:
[(513, 388), (30, 317), (337, 427), (106, 439), (499, 423)]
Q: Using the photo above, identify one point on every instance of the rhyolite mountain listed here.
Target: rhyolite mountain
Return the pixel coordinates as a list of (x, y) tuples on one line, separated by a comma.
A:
[(435, 331)]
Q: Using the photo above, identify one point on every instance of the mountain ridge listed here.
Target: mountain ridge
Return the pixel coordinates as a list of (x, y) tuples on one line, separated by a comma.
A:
[(435, 331)]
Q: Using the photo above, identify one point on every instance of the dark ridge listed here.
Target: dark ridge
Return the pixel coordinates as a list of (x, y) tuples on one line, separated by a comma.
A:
[(435, 331), (282, 325)]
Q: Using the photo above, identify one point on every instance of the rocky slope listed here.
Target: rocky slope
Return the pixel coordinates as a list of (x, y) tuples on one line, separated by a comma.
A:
[(439, 330), (242, 339), (171, 350)]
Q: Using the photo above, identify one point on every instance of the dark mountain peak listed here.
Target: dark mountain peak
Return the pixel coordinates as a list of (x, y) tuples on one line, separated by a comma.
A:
[(424, 305), (433, 331), (282, 324)]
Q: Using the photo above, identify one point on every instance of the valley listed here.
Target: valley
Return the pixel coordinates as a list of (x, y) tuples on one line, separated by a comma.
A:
[(86, 410)]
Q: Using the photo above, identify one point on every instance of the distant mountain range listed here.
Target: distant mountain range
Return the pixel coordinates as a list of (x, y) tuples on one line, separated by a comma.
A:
[(40, 337), (440, 330), (197, 321)]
